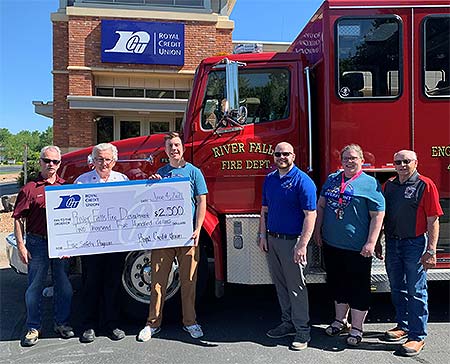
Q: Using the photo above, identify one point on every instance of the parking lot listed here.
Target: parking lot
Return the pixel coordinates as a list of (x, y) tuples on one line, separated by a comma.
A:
[(234, 328)]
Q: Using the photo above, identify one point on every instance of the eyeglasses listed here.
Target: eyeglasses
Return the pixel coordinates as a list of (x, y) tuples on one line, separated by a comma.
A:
[(284, 154), (103, 160), (47, 160), (403, 161), (351, 159)]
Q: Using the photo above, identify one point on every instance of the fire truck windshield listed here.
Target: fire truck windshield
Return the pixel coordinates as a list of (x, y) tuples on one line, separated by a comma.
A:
[(264, 92)]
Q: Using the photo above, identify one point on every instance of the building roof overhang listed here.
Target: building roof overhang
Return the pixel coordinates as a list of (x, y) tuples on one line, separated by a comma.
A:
[(102, 103), (44, 109)]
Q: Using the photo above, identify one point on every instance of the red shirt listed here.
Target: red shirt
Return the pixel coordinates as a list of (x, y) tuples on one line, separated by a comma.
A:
[(30, 205)]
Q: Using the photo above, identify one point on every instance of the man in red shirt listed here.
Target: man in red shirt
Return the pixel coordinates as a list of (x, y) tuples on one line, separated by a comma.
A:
[(411, 226), (30, 218)]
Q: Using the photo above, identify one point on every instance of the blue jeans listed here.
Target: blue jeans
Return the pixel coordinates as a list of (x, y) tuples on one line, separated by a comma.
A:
[(408, 282), (37, 276)]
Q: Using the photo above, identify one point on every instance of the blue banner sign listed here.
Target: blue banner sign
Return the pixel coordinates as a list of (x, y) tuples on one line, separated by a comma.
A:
[(142, 42)]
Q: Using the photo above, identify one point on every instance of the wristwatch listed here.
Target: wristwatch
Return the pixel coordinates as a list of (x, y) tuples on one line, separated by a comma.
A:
[(431, 252), (260, 235)]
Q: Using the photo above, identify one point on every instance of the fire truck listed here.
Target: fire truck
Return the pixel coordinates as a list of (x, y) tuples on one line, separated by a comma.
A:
[(375, 73)]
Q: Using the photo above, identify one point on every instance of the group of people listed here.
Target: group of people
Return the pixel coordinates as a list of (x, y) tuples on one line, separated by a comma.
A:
[(102, 272), (345, 222)]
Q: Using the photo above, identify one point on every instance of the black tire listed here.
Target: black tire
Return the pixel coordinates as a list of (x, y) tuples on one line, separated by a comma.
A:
[(136, 281), (135, 301)]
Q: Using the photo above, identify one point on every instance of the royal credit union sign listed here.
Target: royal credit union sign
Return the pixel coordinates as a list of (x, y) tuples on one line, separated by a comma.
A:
[(142, 42)]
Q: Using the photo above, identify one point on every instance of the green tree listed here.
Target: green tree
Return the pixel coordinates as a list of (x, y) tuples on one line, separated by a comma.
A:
[(5, 135), (33, 167), (46, 137), (14, 144)]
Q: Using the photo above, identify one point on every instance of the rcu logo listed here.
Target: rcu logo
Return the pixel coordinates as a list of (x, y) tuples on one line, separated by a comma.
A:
[(130, 42), (69, 202)]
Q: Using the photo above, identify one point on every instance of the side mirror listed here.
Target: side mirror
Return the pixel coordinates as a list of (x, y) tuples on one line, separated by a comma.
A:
[(232, 86)]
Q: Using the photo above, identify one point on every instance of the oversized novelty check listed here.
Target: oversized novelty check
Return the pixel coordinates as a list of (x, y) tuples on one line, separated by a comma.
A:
[(100, 218)]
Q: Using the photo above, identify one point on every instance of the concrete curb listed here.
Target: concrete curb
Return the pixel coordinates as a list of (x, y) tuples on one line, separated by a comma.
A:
[(3, 259)]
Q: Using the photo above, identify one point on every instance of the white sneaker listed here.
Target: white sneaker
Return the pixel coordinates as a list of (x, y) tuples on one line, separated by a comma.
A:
[(147, 333), (194, 330)]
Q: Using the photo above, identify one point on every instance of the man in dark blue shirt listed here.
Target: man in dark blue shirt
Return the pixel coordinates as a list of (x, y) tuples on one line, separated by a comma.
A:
[(287, 220)]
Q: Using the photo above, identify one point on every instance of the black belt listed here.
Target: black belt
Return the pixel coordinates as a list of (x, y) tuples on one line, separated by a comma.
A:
[(396, 237), (283, 236), (38, 236)]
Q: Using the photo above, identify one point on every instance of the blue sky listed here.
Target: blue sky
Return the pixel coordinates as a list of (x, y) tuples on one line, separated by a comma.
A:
[(26, 48)]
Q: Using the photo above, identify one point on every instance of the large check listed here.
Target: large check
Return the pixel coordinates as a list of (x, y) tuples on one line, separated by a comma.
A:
[(100, 218)]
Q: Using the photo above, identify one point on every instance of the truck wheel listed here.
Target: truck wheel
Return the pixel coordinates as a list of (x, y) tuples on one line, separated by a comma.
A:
[(136, 281)]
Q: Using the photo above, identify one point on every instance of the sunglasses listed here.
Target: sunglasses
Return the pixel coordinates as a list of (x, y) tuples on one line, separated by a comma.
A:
[(403, 161), (47, 160), (284, 154)]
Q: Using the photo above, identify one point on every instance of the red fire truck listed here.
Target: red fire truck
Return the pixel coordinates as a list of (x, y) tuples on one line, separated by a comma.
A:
[(371, 72)]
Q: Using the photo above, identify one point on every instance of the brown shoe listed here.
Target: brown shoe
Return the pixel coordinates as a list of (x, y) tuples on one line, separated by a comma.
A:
[(411, 348), (395, 334)]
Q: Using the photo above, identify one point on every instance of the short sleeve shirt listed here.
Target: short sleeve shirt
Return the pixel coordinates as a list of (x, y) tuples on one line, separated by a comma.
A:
[(93, 177), (286, 197), (30, 205), (408, 205), (361, 196), (197, 181)]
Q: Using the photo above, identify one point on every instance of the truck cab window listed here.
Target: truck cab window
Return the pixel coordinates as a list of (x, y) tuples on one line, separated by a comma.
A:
[(265, 94), (368, 57), (436, 81)]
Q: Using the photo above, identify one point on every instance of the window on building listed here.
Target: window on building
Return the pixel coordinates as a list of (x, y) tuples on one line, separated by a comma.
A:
[(137, 92), (181, 94), (158, 127), (105, 91), (105, 129), (160, 94), (184, 3), (264, 92), (436, 81), (181, 3), (129, 129), (178, 122), (368, 57), (129, 92)]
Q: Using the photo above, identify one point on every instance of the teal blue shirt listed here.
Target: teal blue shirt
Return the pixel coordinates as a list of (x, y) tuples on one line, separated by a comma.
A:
[(362, 195), (197, 181)]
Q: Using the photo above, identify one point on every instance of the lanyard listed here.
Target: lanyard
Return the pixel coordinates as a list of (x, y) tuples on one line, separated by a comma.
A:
[(344, 186)]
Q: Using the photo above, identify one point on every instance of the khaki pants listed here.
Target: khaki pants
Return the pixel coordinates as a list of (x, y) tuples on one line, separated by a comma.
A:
[(162, 260)]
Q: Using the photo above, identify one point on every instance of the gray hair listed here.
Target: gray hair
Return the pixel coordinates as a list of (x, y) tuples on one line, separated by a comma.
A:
[(354, 147), (50, 147), (105, 146), (406, 151)]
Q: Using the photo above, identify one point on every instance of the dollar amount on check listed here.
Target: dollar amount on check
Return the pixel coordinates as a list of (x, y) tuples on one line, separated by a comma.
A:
[(100, 218)]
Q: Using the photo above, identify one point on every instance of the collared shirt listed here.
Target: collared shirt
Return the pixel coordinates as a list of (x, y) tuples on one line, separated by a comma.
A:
[(30, 205), (286, 197), (408, 205), (93, 177)]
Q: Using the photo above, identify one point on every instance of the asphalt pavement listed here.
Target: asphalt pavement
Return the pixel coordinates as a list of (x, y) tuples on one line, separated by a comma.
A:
[(234, 328)]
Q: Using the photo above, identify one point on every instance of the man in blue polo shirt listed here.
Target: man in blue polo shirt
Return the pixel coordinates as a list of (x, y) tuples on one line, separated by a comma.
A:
[(287, 220)]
